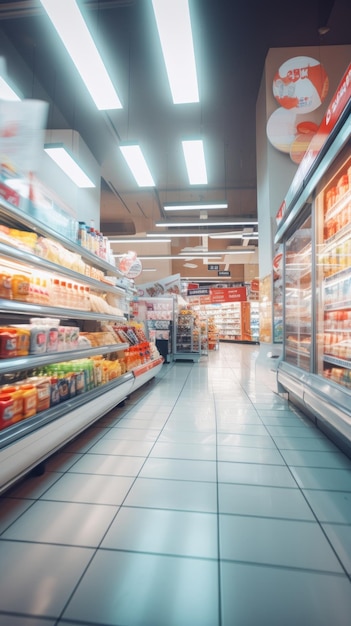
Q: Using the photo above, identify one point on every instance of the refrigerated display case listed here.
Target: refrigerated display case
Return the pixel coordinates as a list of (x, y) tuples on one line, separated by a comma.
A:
[(187, 337), (315, 231), (298, 296), (333, 207), (28, 437)]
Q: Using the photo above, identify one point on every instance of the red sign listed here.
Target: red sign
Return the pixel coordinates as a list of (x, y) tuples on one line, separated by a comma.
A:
[(228, 294), (334, 111)]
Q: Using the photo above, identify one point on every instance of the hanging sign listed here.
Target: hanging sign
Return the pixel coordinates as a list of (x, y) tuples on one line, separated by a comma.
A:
[(130, 265)]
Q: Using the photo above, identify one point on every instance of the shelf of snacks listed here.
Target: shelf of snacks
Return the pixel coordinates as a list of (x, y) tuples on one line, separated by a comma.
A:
[(67, 353)]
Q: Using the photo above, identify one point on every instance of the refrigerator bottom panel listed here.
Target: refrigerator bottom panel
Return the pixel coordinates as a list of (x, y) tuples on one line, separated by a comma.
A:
[(24, 454), (323, 402)]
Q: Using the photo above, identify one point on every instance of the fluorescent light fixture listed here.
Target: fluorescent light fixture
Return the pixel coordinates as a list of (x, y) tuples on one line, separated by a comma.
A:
[(203, 223), (162, 257), (6, 92), (73, 31), (141, 240), (66, 162), (195, 161), (195, 205), (151, 269), (174, 29), (137, 165), (218, 252)]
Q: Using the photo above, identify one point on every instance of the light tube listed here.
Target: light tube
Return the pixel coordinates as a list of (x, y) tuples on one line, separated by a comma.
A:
[(174, 29), (73, 31), (71, 168), (194, 206), (202, 224), (137, 165), (141, 240), (6, 92), (195, 161)]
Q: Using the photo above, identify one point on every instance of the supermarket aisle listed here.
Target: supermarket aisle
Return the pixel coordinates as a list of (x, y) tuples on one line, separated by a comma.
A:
[(206, 501)]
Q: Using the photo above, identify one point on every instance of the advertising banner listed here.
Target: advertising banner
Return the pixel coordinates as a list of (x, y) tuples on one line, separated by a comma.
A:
[(162, 287)]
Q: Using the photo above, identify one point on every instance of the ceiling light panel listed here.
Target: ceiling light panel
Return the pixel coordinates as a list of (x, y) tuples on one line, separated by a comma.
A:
[(194, 156), (194, 206), (73, 31), (174, 29), (137, 165), (66, 162), (202, 223)]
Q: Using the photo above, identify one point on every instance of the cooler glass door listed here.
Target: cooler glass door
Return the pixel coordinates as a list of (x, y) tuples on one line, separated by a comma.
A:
[(298, 302), (333, 204)]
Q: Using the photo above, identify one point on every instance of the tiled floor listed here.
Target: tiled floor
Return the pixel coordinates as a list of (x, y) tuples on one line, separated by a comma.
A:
[(206, 501)]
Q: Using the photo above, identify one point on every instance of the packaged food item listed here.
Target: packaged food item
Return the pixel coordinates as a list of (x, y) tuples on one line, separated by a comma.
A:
[(5, 285), (20, 286), (23, 341), (6, 411), (16, 394), (8, 343), (30, 400), (43, 389)]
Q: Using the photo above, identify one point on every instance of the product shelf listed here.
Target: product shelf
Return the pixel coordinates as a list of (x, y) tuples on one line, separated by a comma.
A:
[(28, 362), (17, 216), (28, 442), (30, 260), (18, 307)]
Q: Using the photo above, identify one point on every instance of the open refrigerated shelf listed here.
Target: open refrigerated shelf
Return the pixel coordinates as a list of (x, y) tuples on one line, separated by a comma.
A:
[(28, 442)]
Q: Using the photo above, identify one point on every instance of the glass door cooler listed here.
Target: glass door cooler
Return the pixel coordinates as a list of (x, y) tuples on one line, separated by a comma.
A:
[(315, 231)]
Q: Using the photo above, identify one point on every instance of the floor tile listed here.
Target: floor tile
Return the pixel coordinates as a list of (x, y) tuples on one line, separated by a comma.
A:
[(340, 538), (186, 436), (90, 489), (330, 506), (112, 465), (132, 434), (29, 586), (276, 542), (16, 620), (248, 441), (115, 446), (255, 474), (243, 429), (180, 533), (61, 461), (173, 494), (184, 451), (263, 501), (67, 523), (152, 423), (143, 589), (179, 469), (320, 444), (308, 458), (10, 510), (283, 596), (304, 430), (236, 454), (33, 486), (320, 478)]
